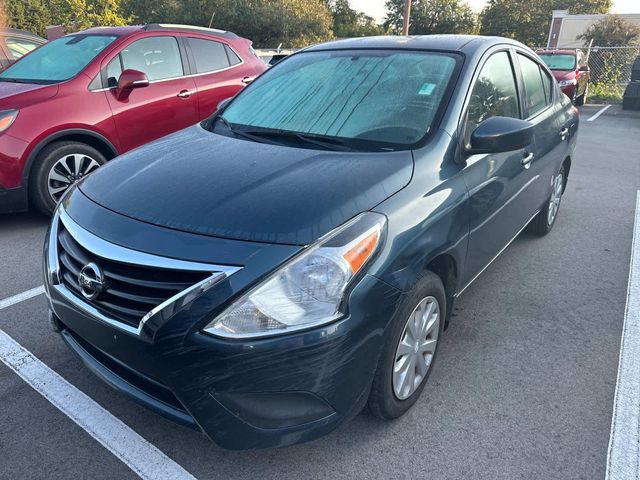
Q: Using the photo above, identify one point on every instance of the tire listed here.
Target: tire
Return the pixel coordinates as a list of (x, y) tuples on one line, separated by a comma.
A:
[(383, 401), (543, 222), (57, 160)]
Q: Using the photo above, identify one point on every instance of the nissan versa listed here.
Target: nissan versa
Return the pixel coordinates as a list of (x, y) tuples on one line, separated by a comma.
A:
[(264, 275)]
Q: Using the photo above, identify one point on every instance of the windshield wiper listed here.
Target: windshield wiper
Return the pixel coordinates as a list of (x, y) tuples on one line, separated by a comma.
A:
[(248, 136), (328, 143)]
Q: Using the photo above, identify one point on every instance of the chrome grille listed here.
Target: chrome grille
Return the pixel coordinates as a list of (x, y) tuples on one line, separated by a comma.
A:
[(130, 291)]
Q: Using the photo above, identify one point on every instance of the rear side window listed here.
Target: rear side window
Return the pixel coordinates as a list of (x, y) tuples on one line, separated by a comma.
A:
[(535, 96), (208, 55), (548, 85), (19, 47), (234, 59), (158, 57), (494, 93)]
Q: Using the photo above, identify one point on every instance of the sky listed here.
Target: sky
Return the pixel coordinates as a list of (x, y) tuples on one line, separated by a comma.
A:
[(375, 8)]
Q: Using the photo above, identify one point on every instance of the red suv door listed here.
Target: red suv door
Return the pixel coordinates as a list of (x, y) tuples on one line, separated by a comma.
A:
[(219, 72), (168, 104)]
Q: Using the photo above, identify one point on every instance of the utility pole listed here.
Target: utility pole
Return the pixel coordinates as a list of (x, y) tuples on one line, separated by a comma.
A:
[(407, 17)]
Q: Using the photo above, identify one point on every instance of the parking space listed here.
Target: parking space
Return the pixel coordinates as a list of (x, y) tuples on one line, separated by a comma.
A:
[(523, 387)]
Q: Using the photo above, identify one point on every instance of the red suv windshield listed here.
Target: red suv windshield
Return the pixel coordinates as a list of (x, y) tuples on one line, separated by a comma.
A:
[(58, 60), (559, 61)]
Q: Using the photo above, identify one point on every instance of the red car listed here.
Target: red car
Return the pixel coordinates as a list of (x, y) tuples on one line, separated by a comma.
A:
[(571, 72), (71, 105)]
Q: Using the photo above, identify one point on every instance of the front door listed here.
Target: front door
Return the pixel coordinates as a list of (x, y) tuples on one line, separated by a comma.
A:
[(499, 184), (168, 104)]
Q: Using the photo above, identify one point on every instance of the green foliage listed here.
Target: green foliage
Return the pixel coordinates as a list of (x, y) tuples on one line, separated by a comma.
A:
[(432, 16), (528, 21), (348, 22), (612, 31), (74, 15), (606, 92)]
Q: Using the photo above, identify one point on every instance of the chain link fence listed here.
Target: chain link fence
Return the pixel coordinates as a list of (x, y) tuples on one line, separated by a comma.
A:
[(609, 70)]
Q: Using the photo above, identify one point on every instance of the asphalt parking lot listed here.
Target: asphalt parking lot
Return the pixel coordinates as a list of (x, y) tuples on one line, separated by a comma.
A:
[(523, 388)]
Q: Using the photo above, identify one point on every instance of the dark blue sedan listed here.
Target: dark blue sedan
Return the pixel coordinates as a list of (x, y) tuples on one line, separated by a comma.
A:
[(265, 275)]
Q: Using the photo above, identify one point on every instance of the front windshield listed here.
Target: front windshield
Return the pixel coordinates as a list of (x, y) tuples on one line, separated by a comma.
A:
[(559, 61), (369, 96), (58, 60)]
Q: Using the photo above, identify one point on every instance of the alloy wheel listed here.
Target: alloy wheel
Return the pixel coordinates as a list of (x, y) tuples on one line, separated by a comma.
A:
[(416, 348), (68, 170), (554, 200)]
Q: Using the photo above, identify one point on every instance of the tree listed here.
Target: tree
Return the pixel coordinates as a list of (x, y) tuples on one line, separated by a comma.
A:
[(611, 31), (74, 15), (348, 22), (268, 23), (432, 16), (528, 21)]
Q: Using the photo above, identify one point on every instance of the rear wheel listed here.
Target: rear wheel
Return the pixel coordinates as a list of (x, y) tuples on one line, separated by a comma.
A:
[(57, 167), (546, 218), (410, 350)]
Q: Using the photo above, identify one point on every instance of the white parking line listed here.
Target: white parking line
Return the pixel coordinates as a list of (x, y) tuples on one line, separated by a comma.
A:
[(134, 451), (34, 292), (598, 113), (623, 456)]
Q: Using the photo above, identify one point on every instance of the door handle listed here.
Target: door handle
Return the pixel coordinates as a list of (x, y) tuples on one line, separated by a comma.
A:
[(248, 80), (185, 93), (526, 161), (563, 133)]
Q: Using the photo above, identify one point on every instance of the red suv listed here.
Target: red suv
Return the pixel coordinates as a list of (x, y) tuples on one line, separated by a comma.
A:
[(570, 70), (80, 100)]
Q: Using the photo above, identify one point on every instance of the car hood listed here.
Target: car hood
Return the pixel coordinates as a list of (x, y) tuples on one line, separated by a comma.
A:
[(200, 182), (11, 92), (564, 74)]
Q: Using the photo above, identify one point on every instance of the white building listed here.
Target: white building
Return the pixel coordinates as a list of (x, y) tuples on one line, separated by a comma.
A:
[(565, 28)]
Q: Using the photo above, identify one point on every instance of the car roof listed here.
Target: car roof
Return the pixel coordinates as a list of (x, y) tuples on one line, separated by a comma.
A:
[(24, 33), (120, 31), (466, 43)]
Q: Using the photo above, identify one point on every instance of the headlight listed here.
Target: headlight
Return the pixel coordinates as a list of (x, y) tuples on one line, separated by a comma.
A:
[(566, 83), (308, 290), (7, 117)]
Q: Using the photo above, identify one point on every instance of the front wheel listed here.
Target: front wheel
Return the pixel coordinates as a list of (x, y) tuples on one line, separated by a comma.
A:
[(546, 218), (57, 167), (410, 350)]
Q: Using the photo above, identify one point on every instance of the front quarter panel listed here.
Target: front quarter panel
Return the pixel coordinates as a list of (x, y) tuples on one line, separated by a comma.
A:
[(427, 218)]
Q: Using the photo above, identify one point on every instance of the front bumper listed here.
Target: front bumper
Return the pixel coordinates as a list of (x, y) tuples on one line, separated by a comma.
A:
[(569, 90), (243, 394)]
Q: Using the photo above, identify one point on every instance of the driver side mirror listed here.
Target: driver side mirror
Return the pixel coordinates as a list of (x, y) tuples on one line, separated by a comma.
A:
[(130, 79), (501, 134), (584, 68)]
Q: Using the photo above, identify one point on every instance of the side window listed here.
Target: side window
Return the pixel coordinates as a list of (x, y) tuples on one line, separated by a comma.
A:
[(494, 93), (158, 57), (20, 46), (114, 69), (535, 96), (234, 59), (548, 85), (208, 55)]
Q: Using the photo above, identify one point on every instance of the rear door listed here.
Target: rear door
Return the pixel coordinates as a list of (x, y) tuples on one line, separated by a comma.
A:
[(168, 104), (538, 96), (219, 72), (500, 186)]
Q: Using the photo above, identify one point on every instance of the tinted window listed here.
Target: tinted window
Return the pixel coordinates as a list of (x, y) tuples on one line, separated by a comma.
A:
[(373, 96), (234, 59), (535, 96), (58, 60), (20, 46), (494, 93), (208, 55), (158, 57)]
